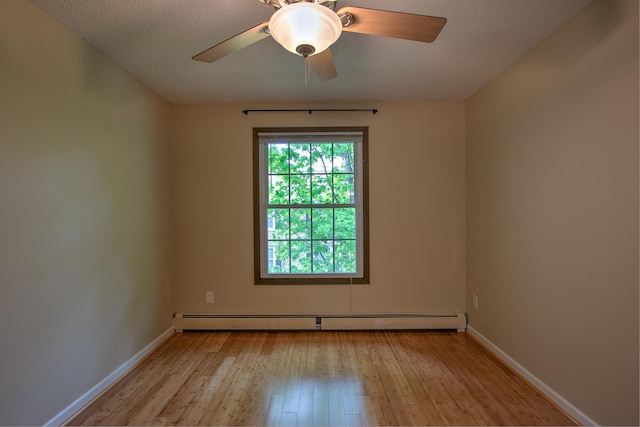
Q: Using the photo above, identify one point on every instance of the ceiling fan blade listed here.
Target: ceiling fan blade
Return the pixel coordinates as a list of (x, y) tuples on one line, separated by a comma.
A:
[(399, 25), (237, 42), (321, 66)]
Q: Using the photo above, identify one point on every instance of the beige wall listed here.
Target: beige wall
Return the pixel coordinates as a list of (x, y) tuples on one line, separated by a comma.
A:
[(84, 283), (416, 153), (552, 212)]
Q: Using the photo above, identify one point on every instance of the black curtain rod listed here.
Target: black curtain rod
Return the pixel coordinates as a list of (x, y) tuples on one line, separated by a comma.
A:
[(310, 111)]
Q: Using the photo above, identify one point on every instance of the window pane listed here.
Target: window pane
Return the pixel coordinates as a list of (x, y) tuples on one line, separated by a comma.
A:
[(300, 189), (278, 257), (345, 223), (278, 158), (322, 224), (323, 256), (344, 188), (300, 224), (343, 158), (301, 256), (278, 189), (322, 189), (345, 256), (300, 159), (278, 224), (321, 155)]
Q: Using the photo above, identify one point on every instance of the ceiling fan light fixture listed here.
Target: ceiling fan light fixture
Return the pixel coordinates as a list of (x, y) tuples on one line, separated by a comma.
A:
[(305, 28)]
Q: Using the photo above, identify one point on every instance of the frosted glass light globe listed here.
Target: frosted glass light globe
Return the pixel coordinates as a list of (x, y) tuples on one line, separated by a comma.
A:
[(305, 28)]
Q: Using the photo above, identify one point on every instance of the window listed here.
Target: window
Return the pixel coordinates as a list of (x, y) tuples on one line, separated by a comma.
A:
[(310, 205)]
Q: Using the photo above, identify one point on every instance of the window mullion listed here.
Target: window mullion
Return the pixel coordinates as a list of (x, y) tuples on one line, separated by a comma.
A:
[(333, 211)]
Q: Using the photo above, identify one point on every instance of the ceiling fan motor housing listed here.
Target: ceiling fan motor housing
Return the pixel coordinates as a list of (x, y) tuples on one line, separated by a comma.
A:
[(282, 3)]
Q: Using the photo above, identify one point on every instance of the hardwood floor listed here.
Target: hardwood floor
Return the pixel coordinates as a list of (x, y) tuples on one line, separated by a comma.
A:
[(321, 379)]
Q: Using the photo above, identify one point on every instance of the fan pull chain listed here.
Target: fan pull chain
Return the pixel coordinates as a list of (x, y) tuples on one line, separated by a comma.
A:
[(307, 72)]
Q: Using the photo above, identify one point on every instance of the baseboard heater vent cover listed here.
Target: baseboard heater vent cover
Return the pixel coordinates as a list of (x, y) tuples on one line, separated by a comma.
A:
[(184, 322)]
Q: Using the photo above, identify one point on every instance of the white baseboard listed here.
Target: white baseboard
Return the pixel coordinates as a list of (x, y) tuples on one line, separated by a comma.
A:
[(103, 385), (563, 403)]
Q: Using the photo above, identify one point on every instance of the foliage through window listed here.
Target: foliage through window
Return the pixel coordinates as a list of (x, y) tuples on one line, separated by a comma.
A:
[(310, 205)]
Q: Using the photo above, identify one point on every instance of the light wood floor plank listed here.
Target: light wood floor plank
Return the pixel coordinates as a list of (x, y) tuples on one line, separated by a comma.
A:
[(321, 378)]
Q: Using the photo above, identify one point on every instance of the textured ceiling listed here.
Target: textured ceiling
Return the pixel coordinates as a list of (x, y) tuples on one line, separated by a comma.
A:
[(154, 40)]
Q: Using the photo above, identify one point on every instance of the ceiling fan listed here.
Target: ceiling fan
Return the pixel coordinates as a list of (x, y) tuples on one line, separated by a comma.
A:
[(309, 27)]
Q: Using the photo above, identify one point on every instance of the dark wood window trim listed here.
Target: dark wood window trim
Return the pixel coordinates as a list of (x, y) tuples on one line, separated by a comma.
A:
[(364, 176)]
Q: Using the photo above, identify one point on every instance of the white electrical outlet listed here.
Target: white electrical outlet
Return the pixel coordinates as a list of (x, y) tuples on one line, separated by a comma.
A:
[(209, 297), (475, 302)]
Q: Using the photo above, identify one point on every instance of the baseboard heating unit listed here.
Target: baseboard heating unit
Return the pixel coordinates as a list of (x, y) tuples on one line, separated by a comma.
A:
[(185, 322)]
